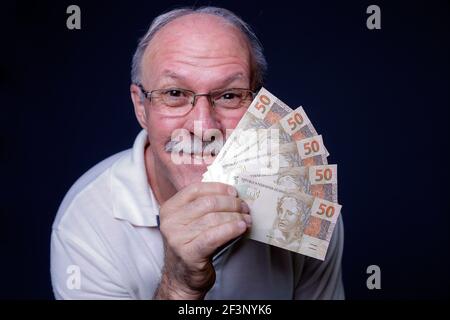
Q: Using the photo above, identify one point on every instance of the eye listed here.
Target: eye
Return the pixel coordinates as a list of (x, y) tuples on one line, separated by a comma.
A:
[(230, 95), (174, 93)]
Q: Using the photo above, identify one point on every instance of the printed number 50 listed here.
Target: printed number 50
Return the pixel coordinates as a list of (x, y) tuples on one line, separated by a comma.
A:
[(310, 147), (321, 174), (327, 210), (263, 102), (296, 119)]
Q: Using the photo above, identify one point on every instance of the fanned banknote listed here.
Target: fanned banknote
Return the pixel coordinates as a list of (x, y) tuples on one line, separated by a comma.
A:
[(264, 111), (307, 152), (294, 126), (318, 181), (278, 163), (291, 220)]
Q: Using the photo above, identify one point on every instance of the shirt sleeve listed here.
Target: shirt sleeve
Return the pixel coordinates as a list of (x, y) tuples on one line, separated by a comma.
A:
[(82, 271), (322, 280)]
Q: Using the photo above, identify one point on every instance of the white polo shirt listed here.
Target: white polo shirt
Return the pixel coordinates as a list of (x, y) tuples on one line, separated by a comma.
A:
[(106, 244)]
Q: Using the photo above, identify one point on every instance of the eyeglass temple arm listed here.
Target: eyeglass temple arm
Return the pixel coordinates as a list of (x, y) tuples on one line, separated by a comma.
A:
[(146, 93)]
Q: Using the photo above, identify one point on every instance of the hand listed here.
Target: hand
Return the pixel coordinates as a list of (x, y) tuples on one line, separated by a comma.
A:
[(194, 223)]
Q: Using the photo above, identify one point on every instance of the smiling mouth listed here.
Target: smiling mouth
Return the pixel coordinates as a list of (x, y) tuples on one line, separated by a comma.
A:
[(198, 155), (192, 149), (199, 159)]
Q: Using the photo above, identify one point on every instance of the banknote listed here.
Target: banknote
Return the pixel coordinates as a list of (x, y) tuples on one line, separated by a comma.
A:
[(264, 111), (256, 142), (265, 163), (290, 220), (295, 126), (318, 181), (278, 163), (306, 152), (303, 153)]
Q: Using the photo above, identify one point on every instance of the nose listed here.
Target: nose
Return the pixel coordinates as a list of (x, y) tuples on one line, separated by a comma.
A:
[(283, 215), (207, 96), (202, 115)]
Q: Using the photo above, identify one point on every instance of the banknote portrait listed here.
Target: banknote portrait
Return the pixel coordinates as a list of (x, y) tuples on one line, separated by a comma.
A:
[(290, 180), (288, 225)]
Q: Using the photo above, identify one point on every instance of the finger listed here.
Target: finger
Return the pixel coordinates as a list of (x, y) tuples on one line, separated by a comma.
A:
[(200, 189), (215, 203), (207, 242), (214, 219)]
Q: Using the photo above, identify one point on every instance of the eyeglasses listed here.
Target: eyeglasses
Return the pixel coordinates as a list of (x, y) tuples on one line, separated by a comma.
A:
[(179, 102)]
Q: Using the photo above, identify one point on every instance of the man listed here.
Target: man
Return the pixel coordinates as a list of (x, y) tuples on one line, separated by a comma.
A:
[(139, 225)]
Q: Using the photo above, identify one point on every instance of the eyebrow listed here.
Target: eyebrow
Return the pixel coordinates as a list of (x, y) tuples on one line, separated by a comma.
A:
[(175, 76)]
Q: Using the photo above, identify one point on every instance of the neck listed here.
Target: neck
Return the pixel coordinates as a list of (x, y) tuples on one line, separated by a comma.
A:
[(162, 188)]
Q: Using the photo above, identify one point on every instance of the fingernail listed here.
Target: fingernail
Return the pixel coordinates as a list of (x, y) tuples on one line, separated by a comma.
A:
[(248, 219), (244, 207), (232, 191)]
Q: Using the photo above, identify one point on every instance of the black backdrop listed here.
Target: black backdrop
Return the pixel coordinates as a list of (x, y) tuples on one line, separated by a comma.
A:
[(380, 99)]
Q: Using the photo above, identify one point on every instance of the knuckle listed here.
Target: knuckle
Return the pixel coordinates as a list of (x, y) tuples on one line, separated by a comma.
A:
[(212, 218), (218, 187), (195, 187), (222, 187), (234, 216), (209, 203)]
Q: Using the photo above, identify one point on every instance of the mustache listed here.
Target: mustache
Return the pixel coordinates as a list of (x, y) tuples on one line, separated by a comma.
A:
[(194, 145)]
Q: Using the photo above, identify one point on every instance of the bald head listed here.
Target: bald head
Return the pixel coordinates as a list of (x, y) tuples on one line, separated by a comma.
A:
[(202, 34), (193, 44), (193, 29)]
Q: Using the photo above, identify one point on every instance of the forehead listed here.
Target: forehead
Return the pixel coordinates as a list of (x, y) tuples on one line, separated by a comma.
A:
[(288, 179), (204, 31), (200, 41), (289, 203)]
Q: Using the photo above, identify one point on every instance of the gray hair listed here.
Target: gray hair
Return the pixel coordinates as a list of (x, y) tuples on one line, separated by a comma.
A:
[(259, 64)]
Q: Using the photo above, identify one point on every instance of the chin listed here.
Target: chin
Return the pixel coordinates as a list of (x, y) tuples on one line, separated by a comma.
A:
[(187, 174)]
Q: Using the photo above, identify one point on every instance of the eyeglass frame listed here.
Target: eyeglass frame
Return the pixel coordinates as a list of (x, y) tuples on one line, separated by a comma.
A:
[(148, 94)]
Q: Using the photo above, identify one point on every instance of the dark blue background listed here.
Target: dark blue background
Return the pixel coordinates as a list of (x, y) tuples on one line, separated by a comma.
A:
[(380, 99)]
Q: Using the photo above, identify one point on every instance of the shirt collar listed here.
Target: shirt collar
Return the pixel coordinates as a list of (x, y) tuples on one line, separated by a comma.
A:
[(133, 199)]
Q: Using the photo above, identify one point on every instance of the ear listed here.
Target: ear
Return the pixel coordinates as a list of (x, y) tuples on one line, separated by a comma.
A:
[(139, 106)]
